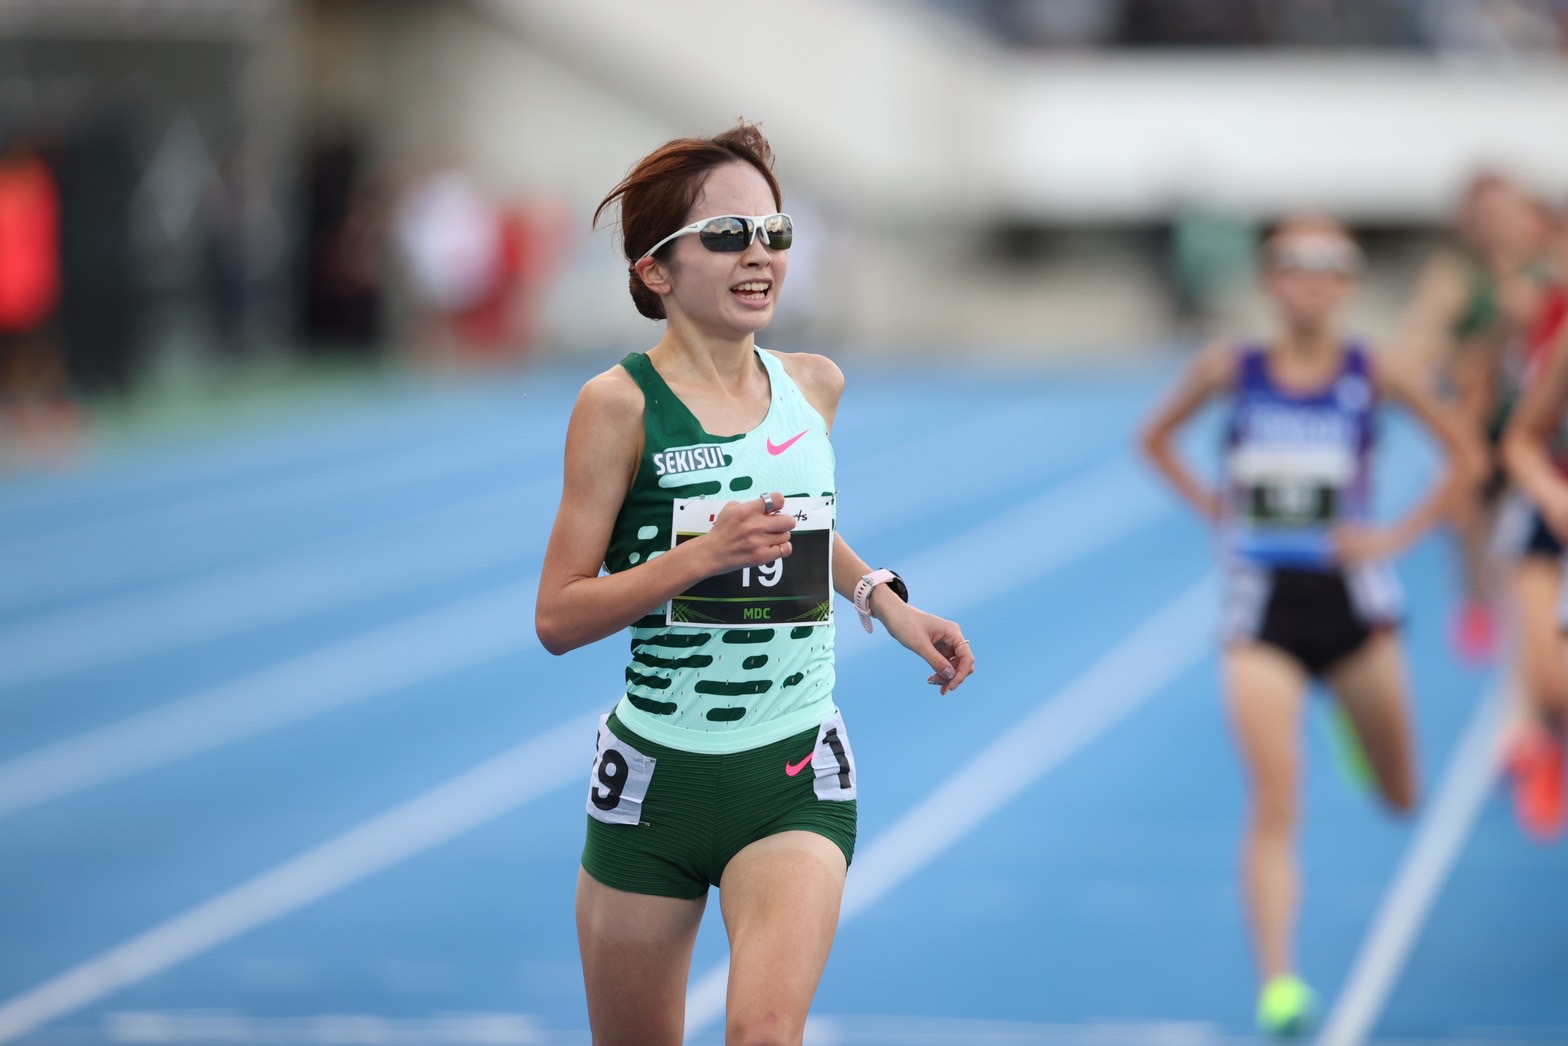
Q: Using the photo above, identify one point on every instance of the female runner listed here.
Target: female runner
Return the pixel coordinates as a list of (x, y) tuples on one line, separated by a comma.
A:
[(1473, 304), (699, 476), (1308, 594), (1535, 449)]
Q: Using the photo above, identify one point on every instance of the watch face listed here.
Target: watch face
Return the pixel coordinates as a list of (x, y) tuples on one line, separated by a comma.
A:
[(899, 588)]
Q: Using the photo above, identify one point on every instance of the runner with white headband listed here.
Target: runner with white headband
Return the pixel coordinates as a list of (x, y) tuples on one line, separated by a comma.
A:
[(1308, 594)]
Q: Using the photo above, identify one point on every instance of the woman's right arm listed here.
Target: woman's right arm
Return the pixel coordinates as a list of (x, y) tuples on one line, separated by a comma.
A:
[(1208, 375), (1425, 332), (578, 606)]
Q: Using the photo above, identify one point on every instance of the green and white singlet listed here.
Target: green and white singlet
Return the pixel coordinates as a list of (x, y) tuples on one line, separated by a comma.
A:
[(746, 658)]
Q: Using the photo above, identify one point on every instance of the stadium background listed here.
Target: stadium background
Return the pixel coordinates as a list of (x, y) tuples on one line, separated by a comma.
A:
[(327, 288)]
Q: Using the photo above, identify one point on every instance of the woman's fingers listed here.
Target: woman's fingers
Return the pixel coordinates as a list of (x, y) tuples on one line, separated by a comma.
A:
[(951, 655)]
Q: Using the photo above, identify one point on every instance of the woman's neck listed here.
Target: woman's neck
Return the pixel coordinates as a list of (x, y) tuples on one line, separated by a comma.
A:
[(1308, 345), (689, 357)]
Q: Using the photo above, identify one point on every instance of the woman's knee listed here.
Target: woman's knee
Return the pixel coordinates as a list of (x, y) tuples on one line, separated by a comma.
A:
[(765, 1027), (1275, 811)]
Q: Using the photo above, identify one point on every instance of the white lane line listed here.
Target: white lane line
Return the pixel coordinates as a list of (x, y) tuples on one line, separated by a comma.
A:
[(88, 557), (1031, 418), (465, 802), (209, 720), (1421, 874), (412, 650), (385, 420), (1117, 684), (228, 602), (204, 1028), (905, 1030), (292, 490), (1069, 521), (1079, 516)]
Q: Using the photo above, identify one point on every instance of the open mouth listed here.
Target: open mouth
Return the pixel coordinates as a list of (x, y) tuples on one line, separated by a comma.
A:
[(752, 290)]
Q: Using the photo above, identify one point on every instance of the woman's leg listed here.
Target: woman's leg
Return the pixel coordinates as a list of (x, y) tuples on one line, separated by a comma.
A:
[(1535, 754), (636, 952), (780, 896), (1371, 688), (1475, 626), (1265, 690), (1543, 670)]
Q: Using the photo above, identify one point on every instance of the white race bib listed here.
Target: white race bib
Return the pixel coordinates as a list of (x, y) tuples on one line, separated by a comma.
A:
[(794, 590), (619, 781)]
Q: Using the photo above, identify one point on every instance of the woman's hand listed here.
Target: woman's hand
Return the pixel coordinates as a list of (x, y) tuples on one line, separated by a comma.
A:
[(939, 641), (747, 534), (1357, 544)]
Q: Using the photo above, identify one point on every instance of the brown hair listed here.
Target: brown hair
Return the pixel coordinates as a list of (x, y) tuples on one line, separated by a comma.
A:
[(1307, 221), (662, 187)]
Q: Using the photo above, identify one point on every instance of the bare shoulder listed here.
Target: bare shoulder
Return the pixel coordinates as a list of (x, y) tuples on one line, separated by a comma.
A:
[(611, 392), (607, 418), (1394, 373), (1444, 263), (1214, 366), (818, 377), (812, 371)]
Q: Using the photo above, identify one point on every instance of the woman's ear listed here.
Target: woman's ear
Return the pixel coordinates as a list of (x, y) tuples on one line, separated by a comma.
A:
[(655, 276)]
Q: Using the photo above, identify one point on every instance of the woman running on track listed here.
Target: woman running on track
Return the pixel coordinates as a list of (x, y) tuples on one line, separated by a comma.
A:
[(1308, 593), (1472, 305), (699, 476), (1535, 447)]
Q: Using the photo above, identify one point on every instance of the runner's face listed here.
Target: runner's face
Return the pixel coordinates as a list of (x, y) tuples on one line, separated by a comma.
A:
[(1503, 220), (1307, 297), (726, 293)]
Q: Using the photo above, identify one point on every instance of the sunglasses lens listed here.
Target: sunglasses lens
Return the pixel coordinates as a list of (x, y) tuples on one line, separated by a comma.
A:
[(725, 235), (780, 230)]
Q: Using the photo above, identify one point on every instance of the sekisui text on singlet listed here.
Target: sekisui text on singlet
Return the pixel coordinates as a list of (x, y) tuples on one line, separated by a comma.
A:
[(745, 658), (1296, 463)]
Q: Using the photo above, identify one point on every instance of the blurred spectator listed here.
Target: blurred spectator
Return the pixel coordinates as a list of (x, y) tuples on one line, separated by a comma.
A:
[(103, 296), (39, 416), (453, 244), (1212, 255), (535, 239), (1057, 23), (1160, 23), (344, 238), (225, 251), (1341, 23), (1493, 28)]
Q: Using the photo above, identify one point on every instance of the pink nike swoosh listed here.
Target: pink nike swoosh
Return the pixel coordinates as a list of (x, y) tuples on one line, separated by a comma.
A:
[(779, 448), (794, 768)]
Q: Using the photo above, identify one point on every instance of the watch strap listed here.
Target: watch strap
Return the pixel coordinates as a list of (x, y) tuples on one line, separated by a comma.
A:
[(863, 589)]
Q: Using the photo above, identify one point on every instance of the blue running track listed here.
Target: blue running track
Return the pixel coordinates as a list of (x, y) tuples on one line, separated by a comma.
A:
[(281, 760)]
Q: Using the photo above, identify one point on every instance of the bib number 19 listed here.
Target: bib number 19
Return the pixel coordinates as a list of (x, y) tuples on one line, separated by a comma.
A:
[(619, 781), (796, 590)]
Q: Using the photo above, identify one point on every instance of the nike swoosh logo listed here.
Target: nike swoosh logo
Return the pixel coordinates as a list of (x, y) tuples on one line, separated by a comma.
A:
[(794, 768), (779, 448)]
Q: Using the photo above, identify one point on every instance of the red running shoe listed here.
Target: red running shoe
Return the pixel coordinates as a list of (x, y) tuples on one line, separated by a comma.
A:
[(1536, 762), (1475, 633)]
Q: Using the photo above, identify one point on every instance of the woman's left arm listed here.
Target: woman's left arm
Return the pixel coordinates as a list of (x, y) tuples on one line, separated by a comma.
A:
[(940, 642), (1399, 381)]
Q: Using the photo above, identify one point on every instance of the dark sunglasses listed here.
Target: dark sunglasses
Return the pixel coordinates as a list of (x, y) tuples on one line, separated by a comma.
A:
[(733, 233)]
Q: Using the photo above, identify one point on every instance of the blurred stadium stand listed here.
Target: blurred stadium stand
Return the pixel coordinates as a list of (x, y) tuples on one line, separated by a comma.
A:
[(1039, 177)]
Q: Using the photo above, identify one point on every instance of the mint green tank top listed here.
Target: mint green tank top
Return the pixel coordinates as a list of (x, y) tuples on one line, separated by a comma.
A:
[(726, 687)]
